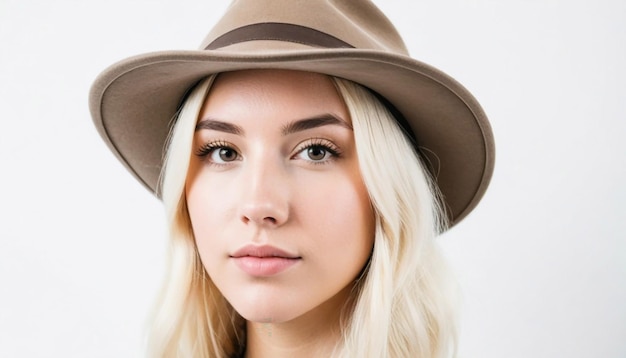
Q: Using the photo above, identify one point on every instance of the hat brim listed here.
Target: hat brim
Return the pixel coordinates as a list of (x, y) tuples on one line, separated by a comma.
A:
[(133, 104)]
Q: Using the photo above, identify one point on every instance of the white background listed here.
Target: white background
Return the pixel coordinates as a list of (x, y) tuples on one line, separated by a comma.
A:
[(542, 260)]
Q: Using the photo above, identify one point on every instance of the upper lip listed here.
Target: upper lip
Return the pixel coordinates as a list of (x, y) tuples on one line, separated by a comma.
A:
[(263, 251)]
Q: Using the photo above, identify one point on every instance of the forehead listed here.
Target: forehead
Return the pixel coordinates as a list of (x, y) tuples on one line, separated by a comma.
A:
[(288, 94)]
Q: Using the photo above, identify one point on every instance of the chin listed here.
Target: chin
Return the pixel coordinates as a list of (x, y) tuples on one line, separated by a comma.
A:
[(274, 314)]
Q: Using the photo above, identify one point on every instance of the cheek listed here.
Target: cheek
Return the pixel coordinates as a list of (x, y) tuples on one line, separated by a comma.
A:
[(342, 219), (207, 208)]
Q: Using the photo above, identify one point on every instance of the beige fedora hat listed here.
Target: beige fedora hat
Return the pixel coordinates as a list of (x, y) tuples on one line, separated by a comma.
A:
[(134, 101)]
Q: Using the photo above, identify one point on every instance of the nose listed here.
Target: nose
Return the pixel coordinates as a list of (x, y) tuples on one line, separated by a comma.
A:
[(264, 195)]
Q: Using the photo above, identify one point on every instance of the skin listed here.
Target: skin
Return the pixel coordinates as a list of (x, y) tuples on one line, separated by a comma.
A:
[(256, 179)]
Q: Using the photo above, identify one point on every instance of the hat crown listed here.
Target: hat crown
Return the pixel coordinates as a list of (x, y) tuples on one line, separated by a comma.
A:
[(335, 23)]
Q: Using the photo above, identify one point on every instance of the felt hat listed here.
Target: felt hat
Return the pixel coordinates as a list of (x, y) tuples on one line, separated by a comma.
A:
[(133, 101)]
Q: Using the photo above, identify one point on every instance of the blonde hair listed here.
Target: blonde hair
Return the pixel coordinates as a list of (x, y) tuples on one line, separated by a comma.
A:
[(405, 302), (408, 285), (191, 318)]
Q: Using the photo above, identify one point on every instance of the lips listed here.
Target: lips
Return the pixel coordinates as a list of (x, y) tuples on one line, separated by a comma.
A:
[(264, 261), (262, 252)]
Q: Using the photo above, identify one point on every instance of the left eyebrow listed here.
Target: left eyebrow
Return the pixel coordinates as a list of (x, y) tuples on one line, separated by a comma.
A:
[(314, 122)]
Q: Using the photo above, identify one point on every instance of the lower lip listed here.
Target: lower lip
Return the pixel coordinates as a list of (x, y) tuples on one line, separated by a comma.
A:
[(264, 266)]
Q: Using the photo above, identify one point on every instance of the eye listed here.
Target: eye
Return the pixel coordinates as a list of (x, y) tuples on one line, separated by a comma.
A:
[(317, 151), (218, 153), (223, 154)]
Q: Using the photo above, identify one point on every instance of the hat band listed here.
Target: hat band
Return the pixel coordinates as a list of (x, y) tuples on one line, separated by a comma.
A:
[(276, 31)]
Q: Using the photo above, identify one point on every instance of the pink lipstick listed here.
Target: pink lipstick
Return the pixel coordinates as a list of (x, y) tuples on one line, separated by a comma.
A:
[(263, 261)]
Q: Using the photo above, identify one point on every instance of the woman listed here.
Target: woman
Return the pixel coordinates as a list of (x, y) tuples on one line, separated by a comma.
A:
[(310, 165)]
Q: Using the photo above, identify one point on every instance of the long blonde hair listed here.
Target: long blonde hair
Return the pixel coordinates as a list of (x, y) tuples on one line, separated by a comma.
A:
[(405, 302), (408, 285)]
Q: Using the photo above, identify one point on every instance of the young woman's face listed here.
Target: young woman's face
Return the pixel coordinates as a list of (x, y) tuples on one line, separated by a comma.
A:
[(281, 217)]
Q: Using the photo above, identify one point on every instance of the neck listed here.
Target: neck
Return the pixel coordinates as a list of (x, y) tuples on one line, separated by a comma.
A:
[(314, 334)]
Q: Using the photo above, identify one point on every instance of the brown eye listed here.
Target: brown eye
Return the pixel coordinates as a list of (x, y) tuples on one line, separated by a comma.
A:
[(316, 153), (227, 154), (218, 152)]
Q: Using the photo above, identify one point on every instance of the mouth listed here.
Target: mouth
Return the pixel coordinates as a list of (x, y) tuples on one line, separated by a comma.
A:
[(265, 251), (264, 261)]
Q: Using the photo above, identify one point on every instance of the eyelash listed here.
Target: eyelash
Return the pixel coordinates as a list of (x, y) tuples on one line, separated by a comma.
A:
[(207, 149), (322, 143)]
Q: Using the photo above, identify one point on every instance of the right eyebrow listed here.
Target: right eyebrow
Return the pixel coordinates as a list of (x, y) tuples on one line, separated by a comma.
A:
[(216, 125)]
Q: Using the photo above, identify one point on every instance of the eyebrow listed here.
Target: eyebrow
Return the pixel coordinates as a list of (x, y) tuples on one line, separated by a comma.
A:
[(289, 128), (314, 122), (220, 126)]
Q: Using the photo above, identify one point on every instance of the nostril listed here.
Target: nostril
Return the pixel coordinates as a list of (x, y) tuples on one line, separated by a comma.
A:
[(263, 214), (266, 220)]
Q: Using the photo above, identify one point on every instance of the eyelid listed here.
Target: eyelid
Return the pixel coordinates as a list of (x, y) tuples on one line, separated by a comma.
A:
[(205, 150), (206, 147), (329, 145)]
